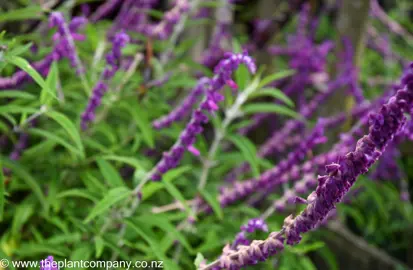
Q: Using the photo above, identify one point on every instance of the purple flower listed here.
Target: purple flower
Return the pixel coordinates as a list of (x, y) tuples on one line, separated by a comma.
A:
[(333, 186), (182, 109), (64, 38), (253, 225), (48, 264), (223, 72), (273, 176), (113, 61), (105, 9)]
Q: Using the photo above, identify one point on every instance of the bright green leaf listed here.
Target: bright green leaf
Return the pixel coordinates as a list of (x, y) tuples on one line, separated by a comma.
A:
[(110, 174), (270, 108), (275, 93), (112, 197), (248, 151)]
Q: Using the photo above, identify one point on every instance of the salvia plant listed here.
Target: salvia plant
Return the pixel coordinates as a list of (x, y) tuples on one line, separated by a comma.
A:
[(222, 134)]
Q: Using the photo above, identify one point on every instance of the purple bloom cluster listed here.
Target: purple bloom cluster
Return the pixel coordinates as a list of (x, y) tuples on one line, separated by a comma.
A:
[(65, 37), (164, 29), (113, 61), (183, 109), (268, 178), (253, 225), (223, 72), (48, 264), (349, 69), (105, 9), (59, 51), (341, 176)]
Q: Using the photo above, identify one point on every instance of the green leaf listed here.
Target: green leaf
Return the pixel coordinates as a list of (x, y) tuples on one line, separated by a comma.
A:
[(16, 94), (81, 193), (112, 197), (154, 245), (213, 202), (20, 49), (127, 160), (22, 14), (141, 119), (177, 195), (270, 108), (248, 150), (58, 139), (52, 78), (70, 128), (162, 222), (25, 65), (21, 172), (305, 248), (16, 109), (2, 193), (328, 257), (21, 215), (198, 260), (99, 246), (307, 264), (152, 187), (275, 93), (32, 249), (110, 174), (276, 76)]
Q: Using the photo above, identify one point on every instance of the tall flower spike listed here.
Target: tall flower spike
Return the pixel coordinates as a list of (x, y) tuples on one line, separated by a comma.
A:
[(43, 66), (274, 176), (183, 109), (65, 39), (255, 224), (332, 187), (48, 264), (223, 72), (113, 61)]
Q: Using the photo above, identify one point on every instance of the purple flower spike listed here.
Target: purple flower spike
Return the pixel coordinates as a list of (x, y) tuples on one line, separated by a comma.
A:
[(65, 40), (223, 73), (183, 109), (113, 62), (48, 264), (256, 224), (332, 187)]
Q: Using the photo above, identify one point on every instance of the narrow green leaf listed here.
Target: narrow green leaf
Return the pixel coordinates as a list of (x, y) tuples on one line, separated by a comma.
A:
[(81, 193), (110, 174), (16, 109), (198, 260), (154, 245), (21, 215), (213, 202), (305, 248), (58, 139), (248, 150), (99, 246), (141, 119), (70, 128), (16, 94), (49, 92), (2, 193), (127, 160), (163, 223), (276, 76), (152, 187), (112, 197), (21, 172), (22, 14), (328, 257), (20, 49), (32, 249), (270, 108), (177, 195), (25, 65), (275, 93)]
